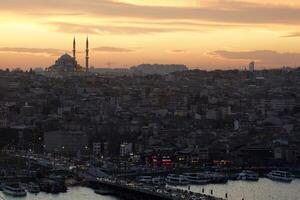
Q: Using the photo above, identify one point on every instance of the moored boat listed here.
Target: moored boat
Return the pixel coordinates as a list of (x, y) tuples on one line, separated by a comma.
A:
[(50, 186), (14, 189), (247, 175), (278, 175), (216, 177), (145, 179), (196, 178), (174, 179), (158, 181), (33, 188)]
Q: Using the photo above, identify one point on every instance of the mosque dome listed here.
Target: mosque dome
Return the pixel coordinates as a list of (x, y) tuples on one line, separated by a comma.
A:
[(65, 63), (66, 57)]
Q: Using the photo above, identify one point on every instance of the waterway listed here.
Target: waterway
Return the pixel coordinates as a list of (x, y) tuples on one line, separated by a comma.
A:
[(264, 189), (74, 193)]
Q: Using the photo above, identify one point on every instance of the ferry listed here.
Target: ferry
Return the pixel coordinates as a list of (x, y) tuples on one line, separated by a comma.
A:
[(247, 175), (145, 179), (51, 186), (196, 178), (33, 188), (174, 179), (158, 181), (216, 177), (278, 175), (2, 184), (14, 189)]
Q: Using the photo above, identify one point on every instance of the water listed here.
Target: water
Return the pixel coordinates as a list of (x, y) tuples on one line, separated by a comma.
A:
[(74, 193), (264, 189)]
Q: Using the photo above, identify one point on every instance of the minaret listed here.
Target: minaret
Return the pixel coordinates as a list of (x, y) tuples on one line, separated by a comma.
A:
[(87, 55), (74, 48)]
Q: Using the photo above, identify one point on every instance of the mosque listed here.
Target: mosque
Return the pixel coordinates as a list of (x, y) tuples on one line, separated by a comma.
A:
[(69, 64)]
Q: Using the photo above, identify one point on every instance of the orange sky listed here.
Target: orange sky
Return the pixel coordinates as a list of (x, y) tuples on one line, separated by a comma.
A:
[(205, 34)]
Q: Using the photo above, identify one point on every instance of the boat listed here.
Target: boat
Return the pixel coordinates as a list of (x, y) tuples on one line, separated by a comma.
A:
[(278, 175), (2, 184), (14, 189), (247, 175), (51, 186), (216, 177), (145, 179), (104, 192), (196, 178), (174, 179), (158, 181), (33, 188)]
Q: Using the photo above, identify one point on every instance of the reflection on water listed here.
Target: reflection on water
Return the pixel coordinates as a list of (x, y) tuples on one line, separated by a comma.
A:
[(75, 193), (264, 189)]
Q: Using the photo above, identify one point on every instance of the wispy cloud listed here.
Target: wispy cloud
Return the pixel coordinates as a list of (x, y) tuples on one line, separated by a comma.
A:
[(185, 23), (106, 29), (294, 34), (113, 50), (230, 11), (177, 51), (262, 56), (47, 51)]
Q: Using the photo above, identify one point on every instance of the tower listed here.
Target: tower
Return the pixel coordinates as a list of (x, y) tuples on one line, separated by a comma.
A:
[(87, 55), (252, 66), (74, 48)]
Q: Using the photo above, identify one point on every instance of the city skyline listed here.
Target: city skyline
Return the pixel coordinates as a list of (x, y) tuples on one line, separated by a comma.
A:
[(207, 35)]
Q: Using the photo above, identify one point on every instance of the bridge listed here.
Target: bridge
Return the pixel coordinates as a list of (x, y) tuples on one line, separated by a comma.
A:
[(135, 191)]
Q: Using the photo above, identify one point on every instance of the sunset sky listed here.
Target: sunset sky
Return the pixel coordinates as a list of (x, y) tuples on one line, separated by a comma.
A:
[(204, 34)]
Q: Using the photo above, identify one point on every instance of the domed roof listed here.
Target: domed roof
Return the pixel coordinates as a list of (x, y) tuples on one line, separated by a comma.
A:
[(65, 63), (66, 58)]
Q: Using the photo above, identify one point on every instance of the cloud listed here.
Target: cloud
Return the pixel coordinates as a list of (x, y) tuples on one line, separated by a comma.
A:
[(262, 56), (113, 50), (47, 51), (180, 23), (294, 34), (177, 51), (230, 11), (111, 29)]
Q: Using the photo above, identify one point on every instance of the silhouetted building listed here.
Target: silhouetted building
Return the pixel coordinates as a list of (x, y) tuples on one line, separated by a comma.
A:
[(252, 66), (67, 63)]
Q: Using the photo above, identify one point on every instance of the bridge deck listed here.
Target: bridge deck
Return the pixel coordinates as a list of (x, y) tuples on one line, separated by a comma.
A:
[(151, 192)]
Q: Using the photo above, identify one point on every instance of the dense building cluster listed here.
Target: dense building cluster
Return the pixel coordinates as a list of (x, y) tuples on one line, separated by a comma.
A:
[(183, 118), (141, 70)]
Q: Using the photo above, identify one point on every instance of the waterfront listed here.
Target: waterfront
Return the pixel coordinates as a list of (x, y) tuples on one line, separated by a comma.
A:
[(264, 189), (74, 193)]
